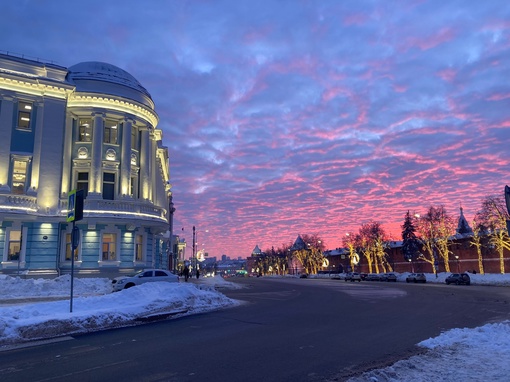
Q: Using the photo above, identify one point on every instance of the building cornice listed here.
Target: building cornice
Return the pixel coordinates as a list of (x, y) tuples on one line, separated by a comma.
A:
[(113, 103), (33, 87)]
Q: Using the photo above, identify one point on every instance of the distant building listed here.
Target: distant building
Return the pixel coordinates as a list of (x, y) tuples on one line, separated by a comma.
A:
[(252, 260), (90, 127), (463, 227)]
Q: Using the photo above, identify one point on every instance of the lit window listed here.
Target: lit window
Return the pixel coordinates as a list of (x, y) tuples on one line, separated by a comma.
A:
[(24, 115), (14, 245), (108, 186), (85, 130), (138, 248), (19, 176), (69, 248), (108, 247), (110, 132)]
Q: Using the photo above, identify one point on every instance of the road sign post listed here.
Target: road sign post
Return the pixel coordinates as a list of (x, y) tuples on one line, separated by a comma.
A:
[(74, 214)]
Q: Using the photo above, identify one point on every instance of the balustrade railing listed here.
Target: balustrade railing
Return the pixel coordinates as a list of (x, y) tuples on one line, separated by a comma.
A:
[(92, 207), (18, 202)]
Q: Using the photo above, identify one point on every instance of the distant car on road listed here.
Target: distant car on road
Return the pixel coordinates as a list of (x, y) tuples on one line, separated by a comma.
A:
[(354, 276), (388, 277), (144, 276), (372, 277), (416, 278), (458, 278)]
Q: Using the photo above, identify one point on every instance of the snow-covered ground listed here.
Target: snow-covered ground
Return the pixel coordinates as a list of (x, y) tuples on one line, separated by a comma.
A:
[(40, 308)]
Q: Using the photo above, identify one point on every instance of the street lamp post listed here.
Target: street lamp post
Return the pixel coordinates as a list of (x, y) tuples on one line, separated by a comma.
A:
[(194, 254), (458, 263), (171, 257)]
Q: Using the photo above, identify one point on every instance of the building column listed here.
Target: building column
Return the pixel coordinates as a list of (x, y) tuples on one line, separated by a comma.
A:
[(154, 168), (145, 159), (67, 158), (125, 160), (36, 158), (6, 118), (96, 164)]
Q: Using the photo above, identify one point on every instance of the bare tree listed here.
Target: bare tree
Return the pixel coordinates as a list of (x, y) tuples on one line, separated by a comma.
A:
[(436, 228), (493, 216), (311, 257), (476, 241), (349, 241), (314, 241), (372, 240)]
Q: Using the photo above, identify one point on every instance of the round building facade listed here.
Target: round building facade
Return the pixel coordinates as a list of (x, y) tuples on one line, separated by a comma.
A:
[(90, 127)]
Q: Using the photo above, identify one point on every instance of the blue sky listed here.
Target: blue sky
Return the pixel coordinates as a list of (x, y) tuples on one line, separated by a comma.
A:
[(301, 117)]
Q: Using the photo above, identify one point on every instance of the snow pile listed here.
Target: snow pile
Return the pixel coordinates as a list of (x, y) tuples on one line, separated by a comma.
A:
[(30, 321), (476, 279), (480, 354), (15, 287), (217, 282)]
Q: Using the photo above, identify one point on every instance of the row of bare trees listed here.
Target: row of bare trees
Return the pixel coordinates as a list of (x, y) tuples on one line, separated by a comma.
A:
[(490, 223), (436, 229), (427, 237), (371, 241), (311, 257)]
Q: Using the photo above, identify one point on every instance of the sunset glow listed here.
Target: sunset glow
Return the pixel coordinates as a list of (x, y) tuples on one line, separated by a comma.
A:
[(302, 117)]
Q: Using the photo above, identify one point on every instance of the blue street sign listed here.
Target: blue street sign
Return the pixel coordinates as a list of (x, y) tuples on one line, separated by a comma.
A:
[(71, 206)]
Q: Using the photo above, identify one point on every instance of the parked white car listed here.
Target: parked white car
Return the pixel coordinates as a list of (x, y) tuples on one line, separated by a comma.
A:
[(147, 275)]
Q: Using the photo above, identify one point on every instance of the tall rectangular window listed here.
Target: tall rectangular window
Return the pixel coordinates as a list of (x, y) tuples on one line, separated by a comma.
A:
[(82, 183), (19, 176), (24, 115), (14, 245), (134, 138), (108, 247), (110, 132), (133, 187), (85, 130), (69, 248), (138, 248), (108, 186)]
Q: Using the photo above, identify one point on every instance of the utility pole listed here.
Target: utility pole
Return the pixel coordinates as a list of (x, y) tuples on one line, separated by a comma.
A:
[(194, 258), (171, 210)]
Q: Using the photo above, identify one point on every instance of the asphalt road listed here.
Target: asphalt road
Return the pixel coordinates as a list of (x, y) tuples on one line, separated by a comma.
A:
[(288, 330)]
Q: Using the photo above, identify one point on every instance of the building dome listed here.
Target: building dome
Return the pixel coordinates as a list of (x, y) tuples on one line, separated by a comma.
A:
[(100, 77)]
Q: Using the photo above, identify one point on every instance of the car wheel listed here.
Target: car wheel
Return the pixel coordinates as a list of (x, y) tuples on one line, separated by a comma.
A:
[(415, 281), (457, 282), (129, 285), (407, 280)]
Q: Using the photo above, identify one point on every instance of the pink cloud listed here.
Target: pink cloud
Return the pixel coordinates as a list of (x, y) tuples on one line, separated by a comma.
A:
[(443, 35)]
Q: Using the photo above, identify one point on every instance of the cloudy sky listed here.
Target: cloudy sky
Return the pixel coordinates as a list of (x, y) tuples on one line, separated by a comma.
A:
[(298, 117)]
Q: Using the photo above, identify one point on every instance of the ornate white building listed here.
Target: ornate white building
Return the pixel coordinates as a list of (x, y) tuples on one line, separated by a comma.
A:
[(89, 127)]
